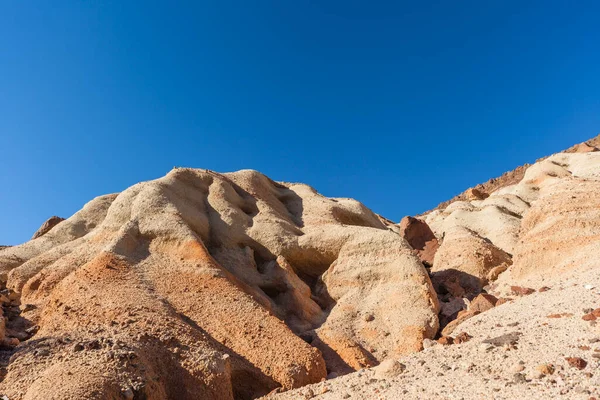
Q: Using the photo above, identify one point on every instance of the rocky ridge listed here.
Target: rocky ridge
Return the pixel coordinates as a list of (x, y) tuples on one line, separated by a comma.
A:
[(227, 286)]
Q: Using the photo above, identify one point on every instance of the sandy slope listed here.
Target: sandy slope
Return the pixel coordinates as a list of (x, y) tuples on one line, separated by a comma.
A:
[(475, 370)]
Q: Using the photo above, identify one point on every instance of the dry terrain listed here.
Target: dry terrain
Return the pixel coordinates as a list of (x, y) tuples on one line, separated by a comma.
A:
[(233, 286)]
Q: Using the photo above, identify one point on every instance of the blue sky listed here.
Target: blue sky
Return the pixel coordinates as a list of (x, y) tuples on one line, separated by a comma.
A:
[(400, 105)]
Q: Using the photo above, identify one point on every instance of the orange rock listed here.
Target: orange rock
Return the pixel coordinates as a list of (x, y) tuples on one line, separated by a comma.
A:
[(503, 300), (476, 194), (589, 317), (462, 317), (420, 237), (446, 340)]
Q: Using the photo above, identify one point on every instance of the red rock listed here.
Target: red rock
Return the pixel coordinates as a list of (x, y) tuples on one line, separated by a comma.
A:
[(462, 338), (446, 340), (559, 315), (596, 313), (521, 291), (483, 302), (576, 362), (589, 317), (543, 289), (420, 237)]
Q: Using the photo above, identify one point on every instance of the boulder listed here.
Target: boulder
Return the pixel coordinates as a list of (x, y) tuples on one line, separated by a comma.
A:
[(464, 260), (421, 238)]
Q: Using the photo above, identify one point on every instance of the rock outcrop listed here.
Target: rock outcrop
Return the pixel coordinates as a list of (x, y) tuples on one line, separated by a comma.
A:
[(206, 285), (46, 226)]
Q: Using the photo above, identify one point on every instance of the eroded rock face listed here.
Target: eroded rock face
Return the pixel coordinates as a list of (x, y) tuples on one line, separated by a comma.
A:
[(201, 285)]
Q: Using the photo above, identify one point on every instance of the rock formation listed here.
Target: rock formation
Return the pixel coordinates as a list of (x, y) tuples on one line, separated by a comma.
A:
[(206, 285), (233, 286)]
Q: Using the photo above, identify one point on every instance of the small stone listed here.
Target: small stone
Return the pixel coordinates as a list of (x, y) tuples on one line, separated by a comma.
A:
[(543, 289), (521, 291), (462, 338), (42, 353), (589, 317), (503, 300), (503, 340), (78, 347), (589, 287), (519, 378), (446, 340), (517, 368), (389, 368), (545, 369), (369, 317), (483, 302), (576, 362)]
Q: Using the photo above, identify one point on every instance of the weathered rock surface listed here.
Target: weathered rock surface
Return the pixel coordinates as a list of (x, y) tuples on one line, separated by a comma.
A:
[(539, 228), (201, 285)]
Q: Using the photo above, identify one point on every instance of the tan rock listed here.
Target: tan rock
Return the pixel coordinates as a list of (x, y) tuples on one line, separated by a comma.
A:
[(496, 271), (389, 368), (466, 259), (229, 269), (476, 194), (545, 369)]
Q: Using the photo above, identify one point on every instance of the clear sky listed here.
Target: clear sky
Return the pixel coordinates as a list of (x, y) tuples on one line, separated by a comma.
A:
[(400, 105)]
